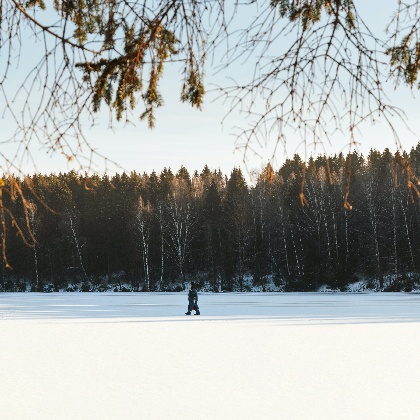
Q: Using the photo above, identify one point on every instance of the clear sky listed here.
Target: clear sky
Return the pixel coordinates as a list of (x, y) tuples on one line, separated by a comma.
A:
[(185, 136)]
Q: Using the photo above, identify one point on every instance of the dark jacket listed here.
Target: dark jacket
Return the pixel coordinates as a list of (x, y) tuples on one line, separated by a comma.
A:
[(192, 295)]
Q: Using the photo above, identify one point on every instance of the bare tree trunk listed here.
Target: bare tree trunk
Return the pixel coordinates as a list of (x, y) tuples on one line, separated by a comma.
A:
[(162, 240), (32, 211), (374, 225), (179, 228), (36, 267), (220, 259), (284, 240), (301, 250), (78, 247), (347, 235), (394, 230), (143, 216), (296, 252), (145, 253), (335, 230), (408, 236)]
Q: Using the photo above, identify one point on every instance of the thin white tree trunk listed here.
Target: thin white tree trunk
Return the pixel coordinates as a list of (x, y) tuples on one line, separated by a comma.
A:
[(408, 236), (78, 248), (32, 213), (394, 222)]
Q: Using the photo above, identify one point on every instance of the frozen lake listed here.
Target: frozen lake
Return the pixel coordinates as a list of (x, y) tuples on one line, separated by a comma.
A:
[(249, 356), (283, 307)]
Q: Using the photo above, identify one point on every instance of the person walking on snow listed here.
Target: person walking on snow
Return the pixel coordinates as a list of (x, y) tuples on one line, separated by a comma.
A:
[(192, 300)]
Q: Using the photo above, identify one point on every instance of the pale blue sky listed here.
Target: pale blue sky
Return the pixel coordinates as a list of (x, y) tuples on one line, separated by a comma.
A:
[(185, 136)]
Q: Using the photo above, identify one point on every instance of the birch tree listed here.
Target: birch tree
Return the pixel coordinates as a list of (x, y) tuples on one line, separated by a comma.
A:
[(34, 222), (143, 220), (72, 220), (180, 223)]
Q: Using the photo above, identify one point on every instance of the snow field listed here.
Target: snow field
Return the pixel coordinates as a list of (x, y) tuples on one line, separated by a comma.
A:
[(358, 359)]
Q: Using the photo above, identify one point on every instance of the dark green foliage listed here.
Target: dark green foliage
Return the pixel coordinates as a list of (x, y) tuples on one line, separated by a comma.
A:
[(146, 44), (222, 232), (309, 12)]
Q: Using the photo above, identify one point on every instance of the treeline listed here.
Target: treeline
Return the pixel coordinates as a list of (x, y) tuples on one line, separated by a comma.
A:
[(155, 231)]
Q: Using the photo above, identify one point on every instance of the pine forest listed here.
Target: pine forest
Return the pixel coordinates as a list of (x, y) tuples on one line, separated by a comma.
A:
[(331, 223)]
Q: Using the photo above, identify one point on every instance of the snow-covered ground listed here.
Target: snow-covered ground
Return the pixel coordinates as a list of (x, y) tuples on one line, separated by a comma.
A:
[(249, 356)]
